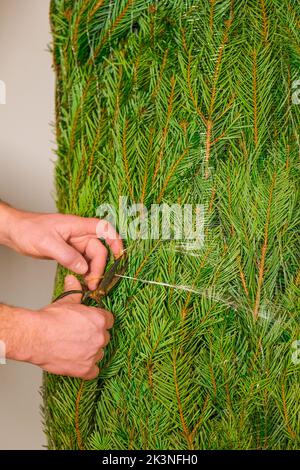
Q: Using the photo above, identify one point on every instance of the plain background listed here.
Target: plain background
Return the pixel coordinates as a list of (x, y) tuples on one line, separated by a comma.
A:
[(26, 181)]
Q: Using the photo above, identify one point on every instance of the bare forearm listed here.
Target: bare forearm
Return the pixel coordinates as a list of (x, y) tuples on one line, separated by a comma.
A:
[(7, 217), (16, 332)]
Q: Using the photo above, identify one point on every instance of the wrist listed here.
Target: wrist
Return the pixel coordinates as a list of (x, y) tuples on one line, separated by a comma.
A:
[(8, 218), (18, 330)]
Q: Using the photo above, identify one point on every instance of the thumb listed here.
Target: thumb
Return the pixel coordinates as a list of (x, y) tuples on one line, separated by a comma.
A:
[(71, 283), (68, 257)]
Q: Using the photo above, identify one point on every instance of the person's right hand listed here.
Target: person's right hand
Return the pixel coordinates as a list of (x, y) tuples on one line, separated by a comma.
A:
[(69, 337)]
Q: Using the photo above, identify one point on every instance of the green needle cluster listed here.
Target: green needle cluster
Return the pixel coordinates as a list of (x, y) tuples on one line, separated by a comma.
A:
[(186, 102)]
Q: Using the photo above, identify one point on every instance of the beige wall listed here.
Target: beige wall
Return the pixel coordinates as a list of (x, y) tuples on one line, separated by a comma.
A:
[(26, 175)]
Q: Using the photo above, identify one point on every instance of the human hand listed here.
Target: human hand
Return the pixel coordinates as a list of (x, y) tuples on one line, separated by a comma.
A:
[(64, 338), (70, 240)]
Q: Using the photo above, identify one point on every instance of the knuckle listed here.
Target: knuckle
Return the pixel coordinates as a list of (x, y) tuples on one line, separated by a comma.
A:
[(108, 318), (85, 370), (100, 318), (107, 338), (101, 340), (91, 374), (111, 319), (71, 371), (95, 344), (101, 354)]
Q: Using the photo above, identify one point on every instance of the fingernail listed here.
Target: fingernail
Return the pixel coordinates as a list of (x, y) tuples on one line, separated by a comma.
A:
[(81, 267)]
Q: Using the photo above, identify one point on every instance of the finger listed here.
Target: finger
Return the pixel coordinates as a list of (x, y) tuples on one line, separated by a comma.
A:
[(106, 231), (71, 283), (92, 374), (100, 229), (101, 318), (67, 256), (99, 356), (109, 318), (105, 339), (97, 254)]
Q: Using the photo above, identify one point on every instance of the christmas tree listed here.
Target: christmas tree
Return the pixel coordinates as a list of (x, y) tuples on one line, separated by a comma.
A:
[(190, 103)]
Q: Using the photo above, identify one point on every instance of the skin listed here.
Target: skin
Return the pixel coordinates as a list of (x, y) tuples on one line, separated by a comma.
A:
[(65, 337)]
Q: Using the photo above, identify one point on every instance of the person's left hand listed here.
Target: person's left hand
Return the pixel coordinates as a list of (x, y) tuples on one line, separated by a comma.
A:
[(70, 240)]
